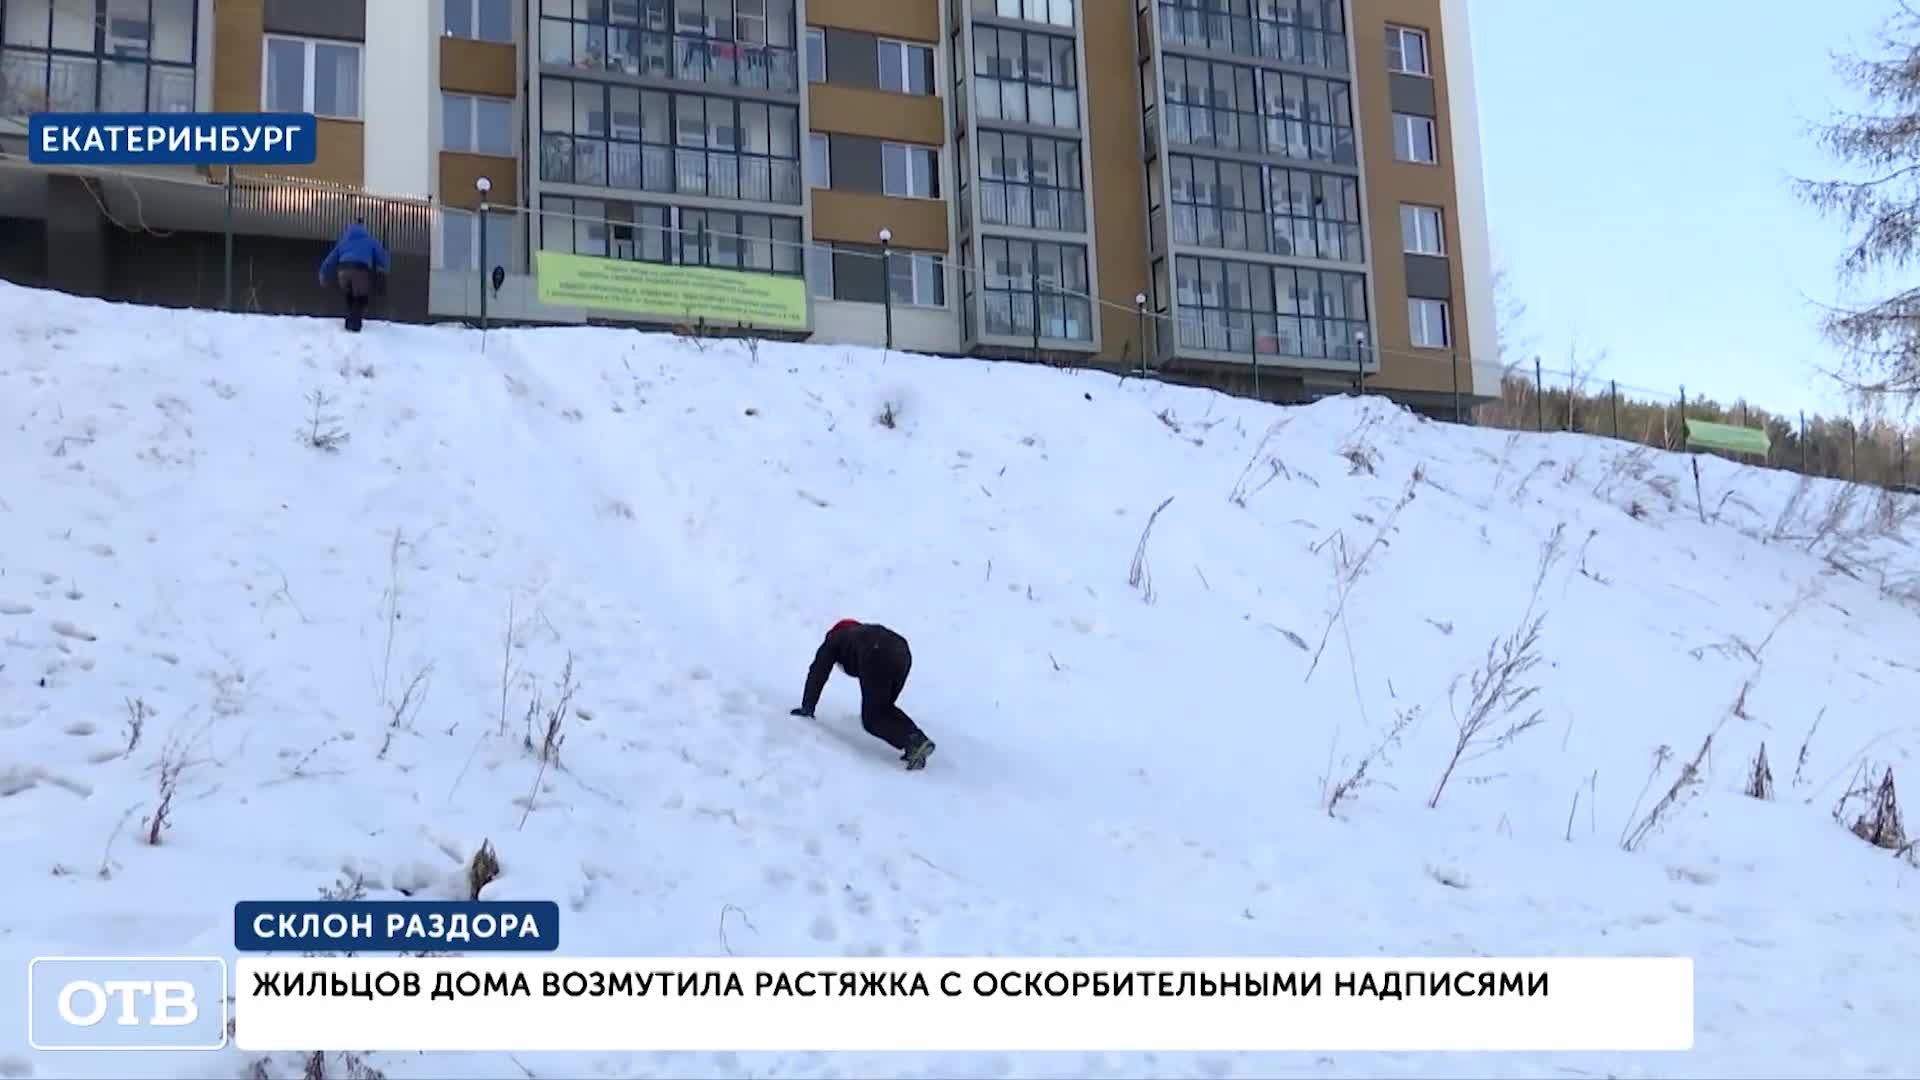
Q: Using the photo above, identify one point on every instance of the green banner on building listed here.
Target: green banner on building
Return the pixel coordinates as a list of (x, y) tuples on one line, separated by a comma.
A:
[(681, 294), (1727, 437)]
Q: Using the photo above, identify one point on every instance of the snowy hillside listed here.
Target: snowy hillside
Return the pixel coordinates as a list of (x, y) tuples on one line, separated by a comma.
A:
[(311, 642)]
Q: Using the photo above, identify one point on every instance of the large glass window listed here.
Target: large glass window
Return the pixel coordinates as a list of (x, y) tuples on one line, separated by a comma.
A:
[(906, 68), (1422, 230), (1415, 140), (1407, 51), (473, 124), (1243, 308), (1025, 77), (312, 75), (460, 240), (1242, 206), (749, 43), (1031, 181), (97, 56), (1019, 277), (656, 140), (1237, 107), (648, 232), (917, 279), (481, 20), (1054, 12), (1308, 32), (910, 171), (1427, 322)]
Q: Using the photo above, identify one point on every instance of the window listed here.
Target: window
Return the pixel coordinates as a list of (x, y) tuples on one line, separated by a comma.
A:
[(480, 20), (1272, 209), (819, 160), (1414, 139), (1247, 308), (1031, 181), (745, 43), (1407, 50), (1027, 78), (1239, 107), (906, 68), (670, 234), (658, 140), (1428, 320), (1054, 12), (305, 75), (460, 240), (472, 124), (912, 171), (816, 55), (820, 270), (1420, 230), (1014, 274), (97, 55), (917, 279), (1311, 33)]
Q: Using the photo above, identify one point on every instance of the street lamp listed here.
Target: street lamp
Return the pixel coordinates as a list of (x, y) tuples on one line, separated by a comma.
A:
[(1359, 361), (1140, 305), (886, 274), (483, 185)]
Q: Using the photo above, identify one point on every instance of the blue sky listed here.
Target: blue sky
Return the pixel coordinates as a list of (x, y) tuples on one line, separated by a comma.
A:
[(1638, 158)]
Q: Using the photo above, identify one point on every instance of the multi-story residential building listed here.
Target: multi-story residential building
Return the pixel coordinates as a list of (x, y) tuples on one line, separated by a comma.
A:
[(1278, 196)]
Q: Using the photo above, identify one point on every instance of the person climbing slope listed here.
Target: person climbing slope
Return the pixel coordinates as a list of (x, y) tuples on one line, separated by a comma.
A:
[(355, 258), (880, 659)]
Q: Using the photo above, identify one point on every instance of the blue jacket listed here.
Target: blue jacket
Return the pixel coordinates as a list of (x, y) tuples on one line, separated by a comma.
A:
[(355, 246)]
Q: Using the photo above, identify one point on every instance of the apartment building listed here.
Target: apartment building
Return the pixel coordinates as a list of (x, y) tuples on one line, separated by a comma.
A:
[(1277, 196)]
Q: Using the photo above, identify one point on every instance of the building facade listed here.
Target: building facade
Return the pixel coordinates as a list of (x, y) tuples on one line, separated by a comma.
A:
[(1278, 196)]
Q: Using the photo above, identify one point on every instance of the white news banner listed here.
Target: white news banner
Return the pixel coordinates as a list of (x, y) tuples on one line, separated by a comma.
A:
[(534, 1003)]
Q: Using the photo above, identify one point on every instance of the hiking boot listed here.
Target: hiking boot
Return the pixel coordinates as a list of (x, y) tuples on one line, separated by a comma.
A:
[(916, 755)]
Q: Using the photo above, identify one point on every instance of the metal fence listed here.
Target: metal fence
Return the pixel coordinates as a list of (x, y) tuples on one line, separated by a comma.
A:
[(261, 236), (1862, 450)]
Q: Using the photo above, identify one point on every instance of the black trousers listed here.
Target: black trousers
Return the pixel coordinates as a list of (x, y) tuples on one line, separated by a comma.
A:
[(356, 284), (883, 674)]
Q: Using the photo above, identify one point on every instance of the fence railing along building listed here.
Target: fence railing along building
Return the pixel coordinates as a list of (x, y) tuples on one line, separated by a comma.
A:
[(251, 242)]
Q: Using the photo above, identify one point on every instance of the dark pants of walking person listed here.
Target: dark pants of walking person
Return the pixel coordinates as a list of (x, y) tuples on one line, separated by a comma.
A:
[(883, 674), (356, 284)]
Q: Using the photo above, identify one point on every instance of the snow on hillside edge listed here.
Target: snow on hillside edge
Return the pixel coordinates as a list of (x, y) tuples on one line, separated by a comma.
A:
[(1114, 776)]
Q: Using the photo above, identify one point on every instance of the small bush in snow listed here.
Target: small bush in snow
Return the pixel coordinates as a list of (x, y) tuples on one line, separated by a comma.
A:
[(1499, 689), (314, 1067), (889, 415), (1879, 821), (138, 713), (1359, 779), (323, 430), (1760, 777), (551, 720), (1139, 573), (1676, 796), (482, 869)]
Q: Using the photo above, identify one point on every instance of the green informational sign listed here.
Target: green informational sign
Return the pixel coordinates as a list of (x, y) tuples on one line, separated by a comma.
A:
[(686, 294), (1734, 440)]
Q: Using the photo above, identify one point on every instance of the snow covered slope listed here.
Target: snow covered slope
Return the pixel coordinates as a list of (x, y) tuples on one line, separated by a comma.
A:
[(1114, 776)]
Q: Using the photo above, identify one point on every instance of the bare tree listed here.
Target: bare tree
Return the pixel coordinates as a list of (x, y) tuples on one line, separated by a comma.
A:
[(1880, 205)]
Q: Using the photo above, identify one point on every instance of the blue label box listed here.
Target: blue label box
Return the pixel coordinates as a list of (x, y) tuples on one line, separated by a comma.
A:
[(396, 926), (141, 1003), (173, 138)]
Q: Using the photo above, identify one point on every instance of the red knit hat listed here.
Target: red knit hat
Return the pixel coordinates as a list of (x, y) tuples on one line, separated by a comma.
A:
[(841, 623)]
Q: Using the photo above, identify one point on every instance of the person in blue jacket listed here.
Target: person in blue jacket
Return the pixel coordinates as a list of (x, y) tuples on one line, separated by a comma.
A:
[(355, 258)]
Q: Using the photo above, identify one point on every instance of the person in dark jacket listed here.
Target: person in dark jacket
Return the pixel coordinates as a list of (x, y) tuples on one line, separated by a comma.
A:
[(355, 258), (880, 659)]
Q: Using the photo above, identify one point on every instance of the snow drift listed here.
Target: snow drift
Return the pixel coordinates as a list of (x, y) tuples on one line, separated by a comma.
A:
[(350, 607)]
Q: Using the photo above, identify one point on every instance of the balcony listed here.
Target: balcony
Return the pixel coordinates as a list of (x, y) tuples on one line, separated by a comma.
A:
[(593, 48)]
